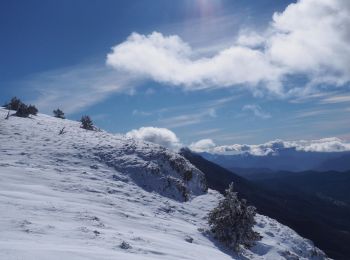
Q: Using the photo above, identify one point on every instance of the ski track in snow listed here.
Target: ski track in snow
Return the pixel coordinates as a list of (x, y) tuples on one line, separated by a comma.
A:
[(78, 196)]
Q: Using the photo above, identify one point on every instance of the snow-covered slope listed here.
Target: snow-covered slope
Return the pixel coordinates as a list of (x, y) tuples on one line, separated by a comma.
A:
[(81, 194)]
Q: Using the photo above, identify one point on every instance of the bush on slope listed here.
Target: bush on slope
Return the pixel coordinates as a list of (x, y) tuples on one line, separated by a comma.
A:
[(232, 221)]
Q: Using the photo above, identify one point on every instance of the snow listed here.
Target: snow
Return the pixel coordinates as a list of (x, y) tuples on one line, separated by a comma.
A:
[(84, 194)]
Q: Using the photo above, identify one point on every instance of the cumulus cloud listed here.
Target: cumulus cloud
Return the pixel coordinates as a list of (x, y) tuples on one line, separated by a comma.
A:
[(161, 136), (250, 39), (202, 145), (168, 139), (322, 145), (257, 111), (168, 59), (310, 37)]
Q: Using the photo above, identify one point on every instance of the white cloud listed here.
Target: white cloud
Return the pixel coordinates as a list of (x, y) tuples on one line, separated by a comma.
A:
[(250, 39), (336, 99), (169, 60), (137, 112), (313, 113), (161, 136), (188, 119), (168, 139), (202, 145), (257, 111), (77, 87), (258, 150), (312, 36), (322, 145), (309, 37)]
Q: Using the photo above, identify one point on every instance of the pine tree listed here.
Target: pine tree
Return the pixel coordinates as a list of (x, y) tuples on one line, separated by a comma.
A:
[(14, 104), (58, 113), (232, 221), (32, 110), (87, 123), (22, 111)]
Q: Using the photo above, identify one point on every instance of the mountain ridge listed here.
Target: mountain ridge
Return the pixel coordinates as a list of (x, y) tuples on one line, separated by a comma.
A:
[(310, 214), (288, 159), (75, 196)]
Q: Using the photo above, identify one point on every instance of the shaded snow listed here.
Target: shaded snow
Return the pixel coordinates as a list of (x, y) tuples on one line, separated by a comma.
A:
[(78, 196)]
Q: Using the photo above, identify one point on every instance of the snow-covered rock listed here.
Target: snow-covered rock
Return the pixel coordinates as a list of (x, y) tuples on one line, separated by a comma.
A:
[(153, 168), (95, 195)]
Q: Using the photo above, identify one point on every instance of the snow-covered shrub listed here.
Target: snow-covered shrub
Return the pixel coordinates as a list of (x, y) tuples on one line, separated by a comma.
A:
[(25, 111), (14, 104), (58, 113), (125, 245), (189, 239), (32, 110), (86, 123), (22, 110), (232, 221), (187, 175)]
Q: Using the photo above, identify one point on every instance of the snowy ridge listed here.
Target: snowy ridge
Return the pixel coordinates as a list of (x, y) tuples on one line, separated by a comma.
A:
[(78, 196), (149, 165), (154, 168)]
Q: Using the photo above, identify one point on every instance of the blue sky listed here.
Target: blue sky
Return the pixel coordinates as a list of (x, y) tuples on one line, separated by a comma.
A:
[(226, 70)]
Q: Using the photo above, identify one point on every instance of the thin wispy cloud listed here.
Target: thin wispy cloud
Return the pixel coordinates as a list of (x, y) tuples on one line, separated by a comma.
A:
[(336, 99), (257, 111), (234, 137), (318, 112), (210, 35), (206, 132), (77, 87), (137, 112), (188, 119), (209, 107), (317, 95), (331, 124), (313, 113), (206, 105)]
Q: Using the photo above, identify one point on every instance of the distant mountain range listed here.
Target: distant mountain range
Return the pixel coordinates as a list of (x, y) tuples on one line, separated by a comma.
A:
[(315, 204), (287, 159)]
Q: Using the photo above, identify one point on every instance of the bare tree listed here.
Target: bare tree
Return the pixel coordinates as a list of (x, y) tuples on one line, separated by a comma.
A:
[(62, 131), (8, 115)]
